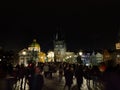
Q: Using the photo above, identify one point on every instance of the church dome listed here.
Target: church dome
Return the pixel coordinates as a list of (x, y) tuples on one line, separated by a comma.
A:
[(34, 44)]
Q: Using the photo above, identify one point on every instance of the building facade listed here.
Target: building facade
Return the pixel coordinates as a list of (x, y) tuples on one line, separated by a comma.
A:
[(59, 49), (32, 54)]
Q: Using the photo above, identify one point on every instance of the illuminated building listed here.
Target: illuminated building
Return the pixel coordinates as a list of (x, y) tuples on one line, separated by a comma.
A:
[(117, 47), (59, 49), (34, 50), (93, 59), (31, 55), (117, 54), (24, 57), (70, 57), (50, 56), (34, 46), (85, 58), (42, 57), (106, 55), (99, 57)]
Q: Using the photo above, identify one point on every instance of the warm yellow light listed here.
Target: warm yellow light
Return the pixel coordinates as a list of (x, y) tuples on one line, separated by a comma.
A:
[(24, 53), (117, 45), (51, 54), (80, 53)]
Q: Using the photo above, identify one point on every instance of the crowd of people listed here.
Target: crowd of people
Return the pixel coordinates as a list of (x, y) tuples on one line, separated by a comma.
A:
[(34, 75)]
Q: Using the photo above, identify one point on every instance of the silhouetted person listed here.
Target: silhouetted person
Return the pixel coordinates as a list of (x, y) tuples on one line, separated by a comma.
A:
[(60, 72), (30, 76), (21, 75), (68, 77), (95, 73), (87, 74), (38, 80), (79, 76)]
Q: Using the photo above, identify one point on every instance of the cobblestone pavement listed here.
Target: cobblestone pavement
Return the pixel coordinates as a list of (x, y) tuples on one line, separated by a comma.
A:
[(54, 84)]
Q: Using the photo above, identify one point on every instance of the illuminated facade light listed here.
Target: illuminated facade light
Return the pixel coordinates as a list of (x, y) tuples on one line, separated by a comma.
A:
[(117, 46), (50, 56), (24, 53), (80, 53), (23, 57)]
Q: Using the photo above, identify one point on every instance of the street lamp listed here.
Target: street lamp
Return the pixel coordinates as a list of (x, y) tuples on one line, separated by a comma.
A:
[(80, 53)]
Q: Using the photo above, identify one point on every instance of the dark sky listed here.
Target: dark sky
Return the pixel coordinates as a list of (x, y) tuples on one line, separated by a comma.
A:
[(84, 25)]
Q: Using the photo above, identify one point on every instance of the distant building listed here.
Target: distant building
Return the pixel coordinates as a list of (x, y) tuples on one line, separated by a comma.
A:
[(106, 55), (34, 46), (70, 57), (34, 50), (86, 59), (24, 56), (32, 54), (99, 57), (117, 47), (117, 53), (50, 56), (59, 49), (93, 59)]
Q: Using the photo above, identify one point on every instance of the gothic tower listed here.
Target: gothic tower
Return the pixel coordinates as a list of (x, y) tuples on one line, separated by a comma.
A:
[(59, 48)]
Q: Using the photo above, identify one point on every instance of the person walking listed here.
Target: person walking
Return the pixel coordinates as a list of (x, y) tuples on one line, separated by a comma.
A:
[(38, 80), (79, 76), (69, 72)]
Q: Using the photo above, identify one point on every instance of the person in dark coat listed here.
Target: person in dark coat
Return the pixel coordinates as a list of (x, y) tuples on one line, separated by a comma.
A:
[(87, 74), (79, 76), (69, 77), (38, 80)]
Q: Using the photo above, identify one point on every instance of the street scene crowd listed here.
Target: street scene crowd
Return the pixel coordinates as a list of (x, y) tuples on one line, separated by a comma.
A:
[(106, 77)]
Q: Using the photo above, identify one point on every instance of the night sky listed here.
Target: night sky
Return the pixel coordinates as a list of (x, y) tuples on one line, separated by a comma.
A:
[(84, 25)]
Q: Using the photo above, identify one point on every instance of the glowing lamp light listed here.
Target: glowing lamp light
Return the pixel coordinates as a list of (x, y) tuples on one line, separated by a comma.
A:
[(80, 53), (118, 56), (24, 53), (117, 45)]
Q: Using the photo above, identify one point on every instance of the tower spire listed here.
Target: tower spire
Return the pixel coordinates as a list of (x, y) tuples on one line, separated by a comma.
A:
[(56, 36)]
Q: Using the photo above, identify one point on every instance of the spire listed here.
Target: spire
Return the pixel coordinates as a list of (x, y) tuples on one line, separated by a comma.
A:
[(60, 33), (56, 38)]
